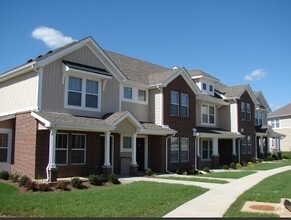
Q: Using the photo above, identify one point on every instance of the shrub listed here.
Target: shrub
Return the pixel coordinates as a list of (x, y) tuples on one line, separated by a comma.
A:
[(232, 165), (250, 165), (113, 179), (4, 175), (225, 167), (43, 187), (206, 169), (243, 163), (254, 160), (76, 182), (30, 185), (260, 160), (274, 157), (238, 166), (14, 177), (149, 172), (23, 180), (62, 186), (185, 173), (95, 180)]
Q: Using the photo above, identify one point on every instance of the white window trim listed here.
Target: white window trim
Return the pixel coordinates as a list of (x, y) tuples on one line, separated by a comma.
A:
[(208, 115), (208, 150), (85, 149), (185, 150), (175, 161), (134, 94), (185, 105), (9, 132), (67, 149), (122, 149), (83, 93), (178, 103)]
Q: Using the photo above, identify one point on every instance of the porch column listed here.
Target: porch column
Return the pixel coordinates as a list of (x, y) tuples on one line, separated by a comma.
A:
[(215, 155), (133, 166), (233, 147), (52, 172), (268, 146), (107, 169), (198, 147), (262, 145)]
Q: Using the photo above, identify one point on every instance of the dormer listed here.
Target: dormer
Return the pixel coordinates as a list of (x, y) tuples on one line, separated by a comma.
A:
[(204, 81)]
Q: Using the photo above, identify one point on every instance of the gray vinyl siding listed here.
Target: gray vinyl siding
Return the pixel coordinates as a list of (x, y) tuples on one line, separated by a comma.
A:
[(19, 94), (140, 111), (53, 90), (224, 117), (155, 106)]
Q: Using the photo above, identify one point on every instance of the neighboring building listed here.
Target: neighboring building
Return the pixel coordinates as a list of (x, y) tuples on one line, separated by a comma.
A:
[(280, 121)]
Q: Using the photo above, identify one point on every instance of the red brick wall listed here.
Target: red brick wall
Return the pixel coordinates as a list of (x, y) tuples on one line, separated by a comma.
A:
[(183, 125), (157, 153), (247, 126), (24, 145)]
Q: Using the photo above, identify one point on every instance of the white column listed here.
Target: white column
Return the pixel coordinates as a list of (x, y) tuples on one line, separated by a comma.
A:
[(52, 149), (198, 146), (261, 145), (133, 149), (268, 145), (107, 149), (233, 147), (279, 144), (215, 147)]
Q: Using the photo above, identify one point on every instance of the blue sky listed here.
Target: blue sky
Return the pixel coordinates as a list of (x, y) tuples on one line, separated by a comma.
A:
[(237, 41)]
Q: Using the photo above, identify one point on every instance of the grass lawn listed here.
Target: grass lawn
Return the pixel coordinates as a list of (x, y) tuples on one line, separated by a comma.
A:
[(140, 199), (269, 165), (195, 179), (229, 174), (271, 190)]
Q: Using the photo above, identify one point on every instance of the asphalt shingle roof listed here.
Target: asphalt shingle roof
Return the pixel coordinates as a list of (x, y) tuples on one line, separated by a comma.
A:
[(197, 72), (284, 111), (231, 91)]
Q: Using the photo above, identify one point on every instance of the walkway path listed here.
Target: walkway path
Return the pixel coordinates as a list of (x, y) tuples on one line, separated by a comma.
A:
[(215, 202)]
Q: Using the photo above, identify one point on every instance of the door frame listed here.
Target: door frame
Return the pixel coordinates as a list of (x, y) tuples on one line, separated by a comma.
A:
[(145, 149)]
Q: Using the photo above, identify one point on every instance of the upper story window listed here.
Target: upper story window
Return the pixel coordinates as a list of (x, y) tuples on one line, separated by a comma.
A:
[(258, 118), (208, 114), (243, 110), (246, 111), (142, 95), (275, 122), (174, 103), (211, 88), (82, 94), (249, 112), (184, 105), (204, 86), (127, 94)]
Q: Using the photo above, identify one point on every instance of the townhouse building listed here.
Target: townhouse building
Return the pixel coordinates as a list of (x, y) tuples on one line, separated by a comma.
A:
[(80, 110)]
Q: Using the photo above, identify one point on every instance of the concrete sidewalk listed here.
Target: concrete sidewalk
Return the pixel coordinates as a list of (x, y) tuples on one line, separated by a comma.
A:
[(215, 202)]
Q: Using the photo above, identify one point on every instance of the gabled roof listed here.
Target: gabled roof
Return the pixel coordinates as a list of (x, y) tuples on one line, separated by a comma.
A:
[(207, 132), (284, 111), (267, 130), (211, 99), (196, 73), (262, 101)]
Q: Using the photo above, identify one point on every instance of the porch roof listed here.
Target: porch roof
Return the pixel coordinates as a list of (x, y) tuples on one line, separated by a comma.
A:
[(65, 121), (267, 130), (207, 132)]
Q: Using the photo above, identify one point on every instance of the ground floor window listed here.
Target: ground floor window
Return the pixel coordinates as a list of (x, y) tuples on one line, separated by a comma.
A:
[(3, 147), (184, 149), (206, 149), (244, 145), (78, 149), (174, 149), (249, 142), (61, 149)]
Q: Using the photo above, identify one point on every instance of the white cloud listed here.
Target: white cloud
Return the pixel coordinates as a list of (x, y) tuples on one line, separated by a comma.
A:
[(257, 74), (51, 37)]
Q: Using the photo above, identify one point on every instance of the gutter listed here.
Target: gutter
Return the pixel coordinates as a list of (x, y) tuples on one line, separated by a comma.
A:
[(167, 171), (18, 71)]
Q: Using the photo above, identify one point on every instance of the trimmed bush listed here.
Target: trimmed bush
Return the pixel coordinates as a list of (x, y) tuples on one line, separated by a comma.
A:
[(4, 175), (238, 166), (95, 180), (113, 179), (43, 187), (14, 177), (148, 172), (22, 180), (232, 165), (76, 182), (251, 165), (254, 160), (206, 169), (30, 185), (225, 167), (62, 186)]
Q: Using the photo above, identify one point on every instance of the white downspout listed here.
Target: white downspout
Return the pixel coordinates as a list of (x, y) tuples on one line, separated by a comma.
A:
[(167, 171), (196, 150)]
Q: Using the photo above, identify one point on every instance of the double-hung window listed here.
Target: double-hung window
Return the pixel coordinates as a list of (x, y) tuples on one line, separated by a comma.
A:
[(184, 105), (243, 110), (208, 114), (83, 93), (248, 111), (174, 149), (126, 144), (61, 149), (244, 145), (78, 149), (206, 149), (3, 147), (127, 92), (142, 95), (249, 143), (174, 103), (184, 150)]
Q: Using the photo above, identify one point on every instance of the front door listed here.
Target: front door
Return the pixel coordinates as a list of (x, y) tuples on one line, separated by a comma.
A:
[(102, 151), (140, 153)]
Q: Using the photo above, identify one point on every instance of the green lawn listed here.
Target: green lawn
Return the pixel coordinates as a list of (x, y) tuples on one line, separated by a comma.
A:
[(229, 174), (269, 165), (195, 179), (140, 199), (271, 190)]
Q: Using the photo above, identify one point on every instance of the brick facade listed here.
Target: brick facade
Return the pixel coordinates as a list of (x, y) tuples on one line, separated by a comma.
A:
[(183, 125), (157, 153)]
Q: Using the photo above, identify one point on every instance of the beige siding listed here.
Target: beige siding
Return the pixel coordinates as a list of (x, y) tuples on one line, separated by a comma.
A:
[(155, 106), (7, 124), (285, 122), (140, 111), (224, 117), (233, 116), (19, 94), (54, 89)]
